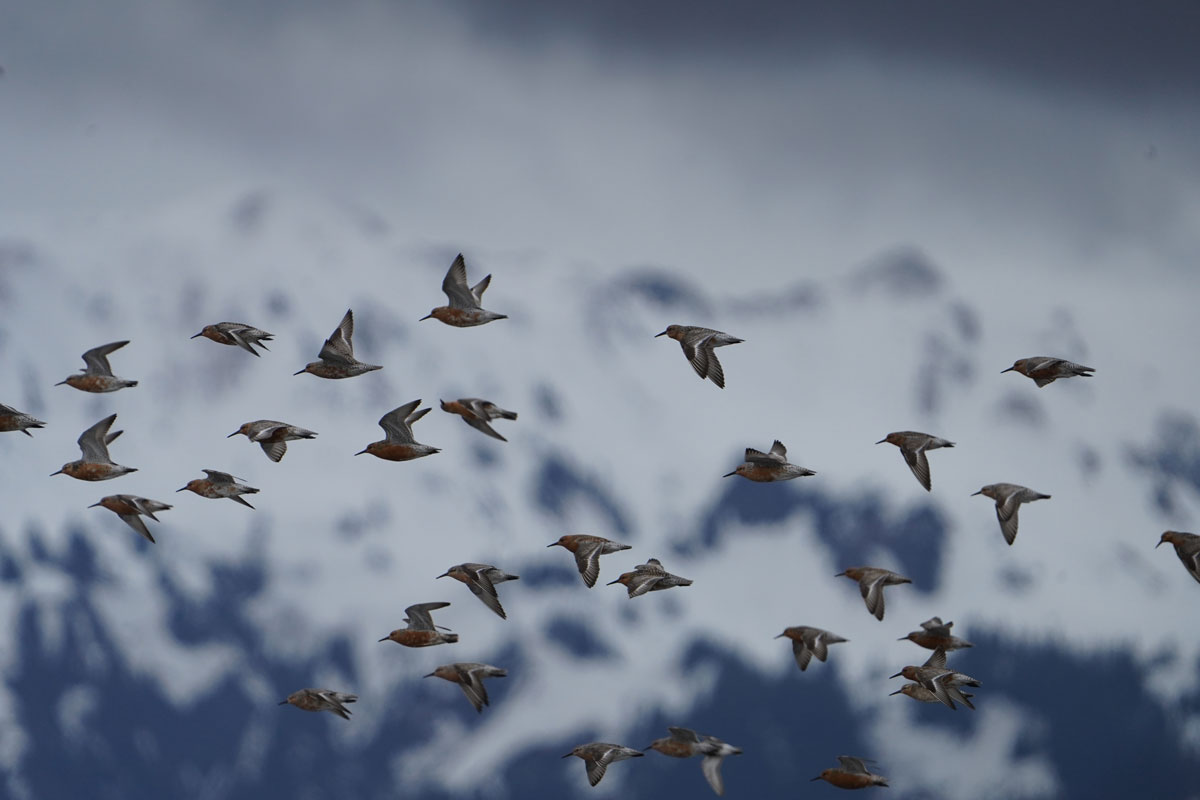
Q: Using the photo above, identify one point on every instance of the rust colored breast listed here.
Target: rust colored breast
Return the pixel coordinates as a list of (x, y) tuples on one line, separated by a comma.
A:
[(674, 749), (760, 474), (87, 472), (455, 407), (90, 383), (118, 506), (9, 423), (848, 780), (410, 638), (391, 452), (458, 317)]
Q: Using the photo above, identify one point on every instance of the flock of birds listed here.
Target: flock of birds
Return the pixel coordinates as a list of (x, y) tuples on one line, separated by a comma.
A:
[(929, 682)]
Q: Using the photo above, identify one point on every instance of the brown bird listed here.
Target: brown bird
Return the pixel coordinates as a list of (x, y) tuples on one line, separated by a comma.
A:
[(598, 755), (649, 577), (913, 446), (1044, 369), (321, 700), (98, 376), (478, 413), (587, 550), (129, 508), (469, 676), (871, 581), (808, 642), (852, 774), (481, 579), (399, 444), (1187, 547), (421, 632), (96, 464), (336, 359), (465, 309)]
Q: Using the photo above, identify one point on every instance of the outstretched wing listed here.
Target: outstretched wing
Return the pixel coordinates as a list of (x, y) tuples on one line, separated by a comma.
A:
[(339, 347), (455, 285)]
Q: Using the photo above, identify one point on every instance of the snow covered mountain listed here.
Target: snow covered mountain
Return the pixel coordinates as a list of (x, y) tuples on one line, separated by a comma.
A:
[(157, 669)]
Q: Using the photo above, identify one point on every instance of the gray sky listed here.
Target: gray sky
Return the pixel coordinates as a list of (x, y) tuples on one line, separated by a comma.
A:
[(624, 133)]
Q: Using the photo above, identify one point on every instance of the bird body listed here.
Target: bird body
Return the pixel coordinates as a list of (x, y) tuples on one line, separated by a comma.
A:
[(871, 581), (336, 359), (465, 309), (1045, 369), (852, 774), (421, 632), (97, 376), (321, 700), (13, 420), (685, 743), (237, 334), (218, 485), (1187, 547), (587, 550), (913, 446), (130, 508), (935, 635), (649, 577), (96, 465), (469, 676), (598, 755), (272, 436), (766, 467), (478, 413), (808, 642), (1009, 497), (698, 346), (481, 579)]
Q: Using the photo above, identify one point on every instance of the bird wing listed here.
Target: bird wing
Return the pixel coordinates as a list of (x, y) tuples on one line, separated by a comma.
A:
[(478, 289), (218, 477), (96, 359), (339, 347), (802, 653), (93, 442), (134, 521), (1006, 512), (274, 450), (711, 766), (919, 465), (853, 764), (395, 425), (779, 452), (472, 685), (587, 558), (872, 592), (455, 285), (480, 424), (936, 627), (644, 582), (483, 588), (419, 616), (236, 335)]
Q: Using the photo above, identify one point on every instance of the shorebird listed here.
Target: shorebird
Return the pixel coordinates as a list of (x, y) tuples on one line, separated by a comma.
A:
[(852, 774), (478, 413), (481, 579), (922, 695), (272, 436), (336, 359), (130, 508), (399, 444), (321, 700), (587, 550), (766, 467), (13, 420), (96, 464), (942, 682), (598, 755), (218, 485), (421, 632), (238, 334), (1044, 369), (871, 581), (1008, 497), (685, 743), (649, 577), (465, 309), (808, 642), (98, 376), (912, 446), (698, 345), (1187, 547), (470, 677), (935, 635)]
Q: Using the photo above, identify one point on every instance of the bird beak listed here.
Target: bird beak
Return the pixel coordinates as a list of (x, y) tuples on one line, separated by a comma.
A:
[(727, 474), (881, 441), (181, 490), (552, 544), (780, 636), (60, 383), (360, 452), (902, 639), (810, 780), (444, 575), (568, 755), (193, 337), (1010, 369), (301, 372), (235, 433), (93, 505), (1160, 541), (898, 691), (610, 583), (427, 316), (384, 639), (975, 493), (52, 474), (664, 333), (897, 675), (285, 702), (430, 675), (840, 574)]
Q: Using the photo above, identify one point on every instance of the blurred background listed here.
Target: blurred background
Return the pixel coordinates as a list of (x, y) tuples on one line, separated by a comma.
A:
[(890, 204)]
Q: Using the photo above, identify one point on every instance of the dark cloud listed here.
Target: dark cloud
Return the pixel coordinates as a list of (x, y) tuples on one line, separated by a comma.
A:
[(1131, 50)]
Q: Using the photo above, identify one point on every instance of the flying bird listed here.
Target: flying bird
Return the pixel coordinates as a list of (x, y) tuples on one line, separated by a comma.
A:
[(808, 642), (421, 632), (272, 436), (219, 484), (598, 755), (469, 676), (871, 581), (336, 359), (399, 444), (1044, 369), (130, 508), (237, 334), (321, 700), (1009, 497), (587, 550), (649, 577), (481, 579), (852, 774), (97, 375), (912, 446), (698, 345), (13, 420), (766, 467), (96, 464), (478, 413), (1187, 547), (465, 309)]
